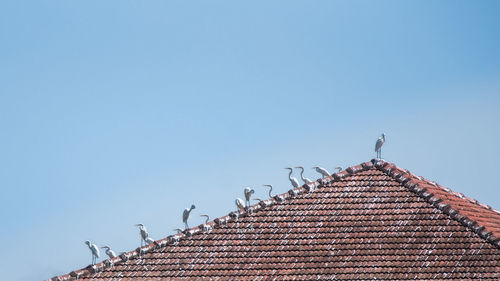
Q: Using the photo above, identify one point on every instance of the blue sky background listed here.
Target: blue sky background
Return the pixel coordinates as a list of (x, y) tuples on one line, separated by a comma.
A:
[(114, 113)]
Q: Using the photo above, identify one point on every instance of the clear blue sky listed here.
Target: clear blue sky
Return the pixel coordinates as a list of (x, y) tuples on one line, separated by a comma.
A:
[(114, 113)]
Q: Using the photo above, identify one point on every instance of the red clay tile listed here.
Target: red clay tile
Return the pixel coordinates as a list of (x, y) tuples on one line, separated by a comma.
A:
[(371, 221)]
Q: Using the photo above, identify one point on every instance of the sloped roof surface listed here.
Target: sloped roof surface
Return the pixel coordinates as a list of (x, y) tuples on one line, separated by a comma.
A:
[(373, 221)]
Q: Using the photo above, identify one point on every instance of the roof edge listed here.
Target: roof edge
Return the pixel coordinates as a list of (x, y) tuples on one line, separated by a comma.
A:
[(423, 188)]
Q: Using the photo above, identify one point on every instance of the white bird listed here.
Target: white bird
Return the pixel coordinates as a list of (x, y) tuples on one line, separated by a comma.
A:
[(248, 194), (109, 252), (378, 145), (270, 189), (293, 180), (95, 251), (185, 215), (207, 218), (149, 240), (322, 171), (239, 203), (305, 180), (144, 232)]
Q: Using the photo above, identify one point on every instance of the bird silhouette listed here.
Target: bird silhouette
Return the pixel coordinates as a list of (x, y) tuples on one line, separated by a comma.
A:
[(378, 146), (293, 181), (185, 215), (95, 251)]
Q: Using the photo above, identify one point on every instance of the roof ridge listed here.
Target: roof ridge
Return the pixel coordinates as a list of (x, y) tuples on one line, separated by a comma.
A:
[(412, 183), (423, 188)]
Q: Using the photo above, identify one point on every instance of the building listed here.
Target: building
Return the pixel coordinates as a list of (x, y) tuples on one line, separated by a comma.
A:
[(373, 221)]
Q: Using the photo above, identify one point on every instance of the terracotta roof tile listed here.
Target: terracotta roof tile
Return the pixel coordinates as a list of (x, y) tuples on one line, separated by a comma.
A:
[(373, 220)]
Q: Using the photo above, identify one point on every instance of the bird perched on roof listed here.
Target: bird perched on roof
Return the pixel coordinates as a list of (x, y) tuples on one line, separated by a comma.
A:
[(178, 230), (109, 252), (293, 180), (378, 146), (338, 169), (322, 171), (305, 180), (270, 189), (95, 251), (144, 233), (240, 204), (248, 193), (185, 215)]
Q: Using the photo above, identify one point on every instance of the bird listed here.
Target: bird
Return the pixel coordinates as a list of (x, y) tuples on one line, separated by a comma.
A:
[(270, 189), (109, 252), (239, 203), (305, 180), (378, 145), (338, 169), (248, 193), (144, 232), (178, 230), (207, 218), (185, 215), (293, 180), (95, 251), (322, 171), (149, 240), (257, 199)]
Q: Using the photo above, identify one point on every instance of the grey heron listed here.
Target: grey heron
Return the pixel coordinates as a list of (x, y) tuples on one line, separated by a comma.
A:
[(95, 251), (239, 203), (293, 181), (322, 171), (270, 189), (305, 180), (109, 252), (248, 193), (207, 218), (144, 233), (185, 215), (378, 145)]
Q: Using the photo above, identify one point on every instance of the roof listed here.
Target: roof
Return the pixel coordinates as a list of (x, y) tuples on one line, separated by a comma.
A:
[(373, 221)]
